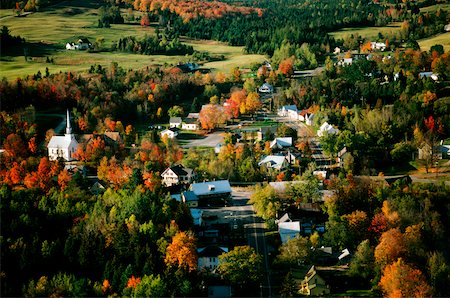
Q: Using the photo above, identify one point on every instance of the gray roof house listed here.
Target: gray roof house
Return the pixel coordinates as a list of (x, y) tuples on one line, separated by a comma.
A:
[(212, 192), (175, 122)]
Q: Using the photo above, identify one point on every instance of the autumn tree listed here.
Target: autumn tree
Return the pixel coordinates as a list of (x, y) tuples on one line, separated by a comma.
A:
[(252, 103), (236, 103), (240, 265), (182, 252), (296, 250), (363, 262), (265, 202), (286, 67), (150, 286), (390, 248), (212, 116), (401, 280)]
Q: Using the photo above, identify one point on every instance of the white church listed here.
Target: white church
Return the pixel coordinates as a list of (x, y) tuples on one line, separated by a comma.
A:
[(63, 146)]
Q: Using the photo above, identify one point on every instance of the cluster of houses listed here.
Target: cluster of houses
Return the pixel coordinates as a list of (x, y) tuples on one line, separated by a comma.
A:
[(176, 124), (81, 44)]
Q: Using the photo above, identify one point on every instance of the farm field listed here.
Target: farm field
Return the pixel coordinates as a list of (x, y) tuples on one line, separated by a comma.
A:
[(443, 39), (367, 32), (49, 31)]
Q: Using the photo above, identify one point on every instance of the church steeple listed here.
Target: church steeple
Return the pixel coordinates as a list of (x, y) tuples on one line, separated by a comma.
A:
[(68, 127)]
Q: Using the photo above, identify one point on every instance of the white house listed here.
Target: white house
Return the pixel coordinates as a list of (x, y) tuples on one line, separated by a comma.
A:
[(63, 146), (288, 230), (190, 124), (326, 129), (170, 133), (381, 46), (283, 112), (175, 122), (277, 162), (177, 174), (280, 143), (266, 88), (208, 257)]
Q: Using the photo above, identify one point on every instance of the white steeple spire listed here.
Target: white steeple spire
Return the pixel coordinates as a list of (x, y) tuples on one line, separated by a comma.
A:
[(68, 127)]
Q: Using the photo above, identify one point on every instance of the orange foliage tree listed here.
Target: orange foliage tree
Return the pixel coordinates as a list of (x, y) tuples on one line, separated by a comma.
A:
[(211, 116), (390, 248), (182, 252), (63, 179), (286, 67), (401, 280), (133, 282)]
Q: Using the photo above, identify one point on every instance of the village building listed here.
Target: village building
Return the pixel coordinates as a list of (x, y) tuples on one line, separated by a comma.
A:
[(175, 122), (326, 129), (281, 143), (190, 124), (266, 88), (63, 146), (274, 162), (288, 230), (177, 175), (211, 193), (208, 257), (313, 284), (170, 133)]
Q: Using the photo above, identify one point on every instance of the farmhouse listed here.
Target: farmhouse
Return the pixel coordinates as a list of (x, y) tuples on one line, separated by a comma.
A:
[(63, 146), (81, 44)]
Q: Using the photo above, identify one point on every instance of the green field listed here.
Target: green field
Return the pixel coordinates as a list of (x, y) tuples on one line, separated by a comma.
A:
[(443, 39), (367, 32), (434, 8), (48, 31)]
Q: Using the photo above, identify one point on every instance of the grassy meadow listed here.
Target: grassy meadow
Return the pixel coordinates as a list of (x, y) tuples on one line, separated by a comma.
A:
[(367, 32), (48, 31), (443, 39), (434, 8)]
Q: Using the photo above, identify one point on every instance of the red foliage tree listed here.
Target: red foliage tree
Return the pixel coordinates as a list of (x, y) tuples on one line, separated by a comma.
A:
[(286, 67)]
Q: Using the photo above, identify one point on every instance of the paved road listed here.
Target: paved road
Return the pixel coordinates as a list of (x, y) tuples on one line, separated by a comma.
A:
[(243, 214), (210, 141)]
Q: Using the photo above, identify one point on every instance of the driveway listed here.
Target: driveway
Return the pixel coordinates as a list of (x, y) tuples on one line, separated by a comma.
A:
[(210, 141)]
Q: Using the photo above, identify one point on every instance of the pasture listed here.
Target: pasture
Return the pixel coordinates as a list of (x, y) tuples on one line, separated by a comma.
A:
[(48, 31), (443, 39), (367, 32)]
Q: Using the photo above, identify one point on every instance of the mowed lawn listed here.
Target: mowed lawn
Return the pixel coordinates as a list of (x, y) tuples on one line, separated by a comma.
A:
[(443, 39), (48, 32), (367, 32)]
